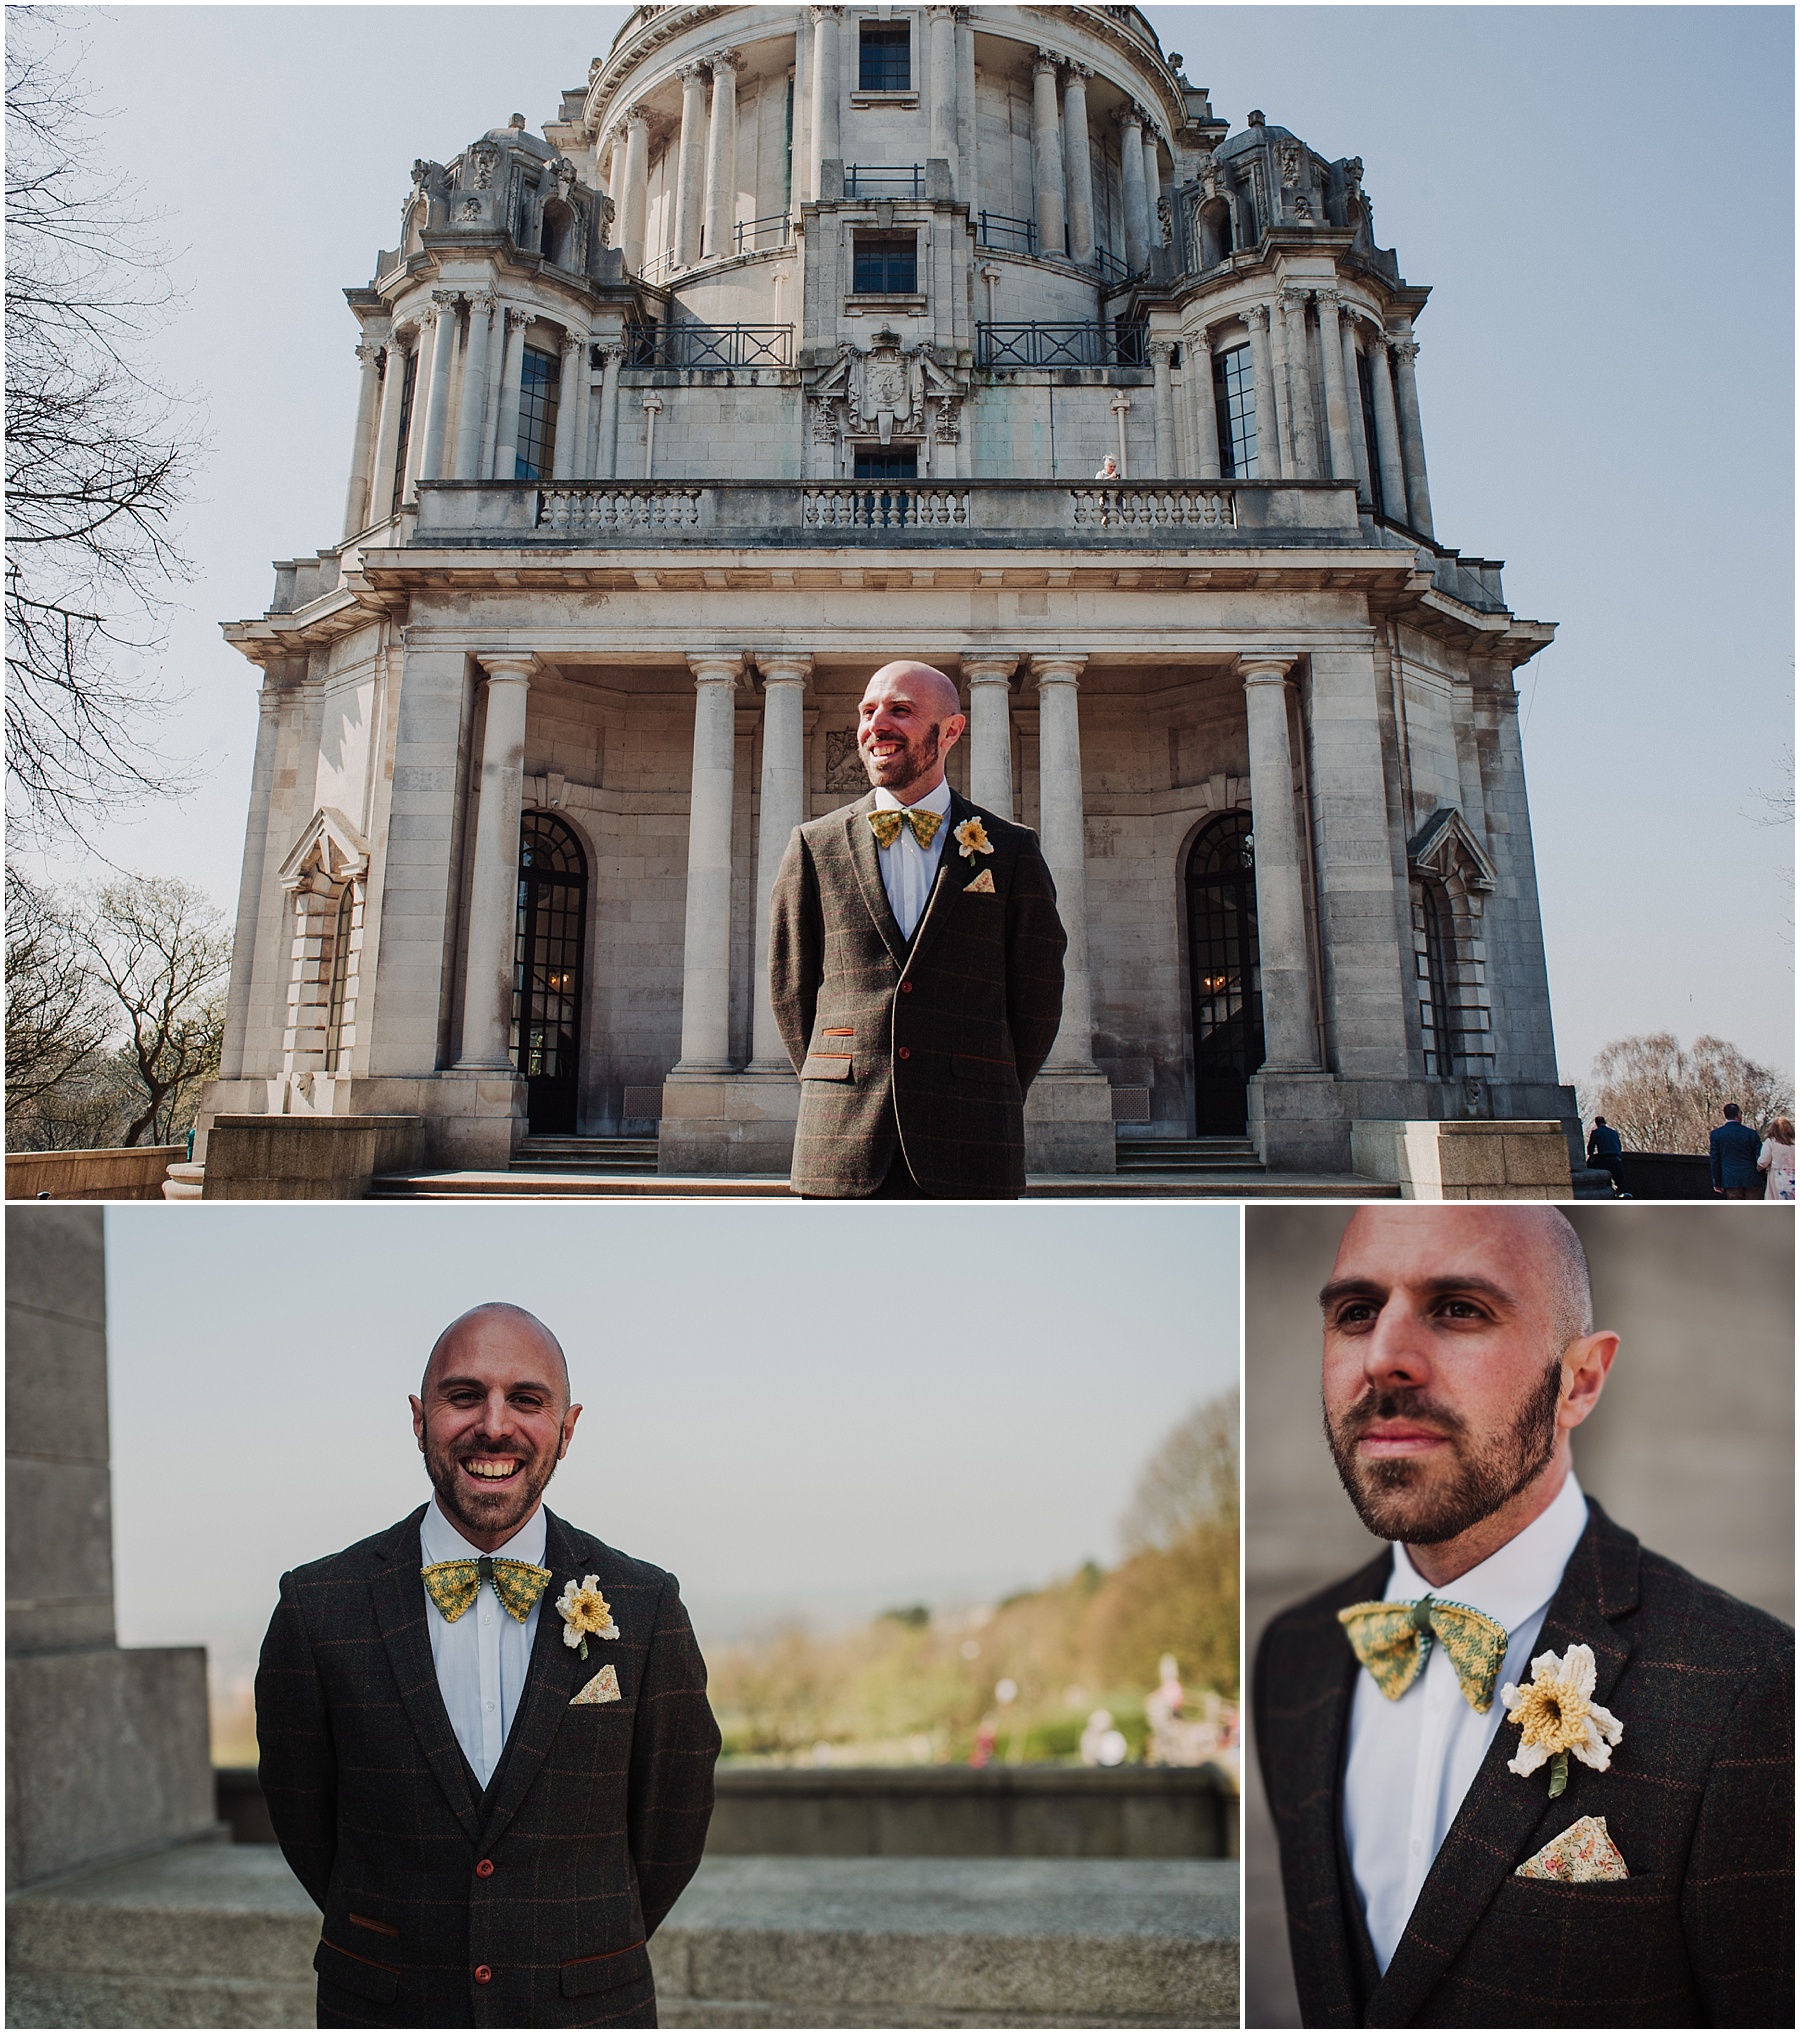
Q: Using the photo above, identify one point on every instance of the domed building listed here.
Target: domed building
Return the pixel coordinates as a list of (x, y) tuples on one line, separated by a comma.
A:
[(802, 339)]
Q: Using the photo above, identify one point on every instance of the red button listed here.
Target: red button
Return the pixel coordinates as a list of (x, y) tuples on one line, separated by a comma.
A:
[(482, 1974), (485, 1870), (906, 1052), (906, 988)]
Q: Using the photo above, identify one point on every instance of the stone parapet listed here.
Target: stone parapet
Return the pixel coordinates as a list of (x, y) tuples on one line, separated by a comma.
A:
[(1477, 1160), (305, 1158), (134, 1174)]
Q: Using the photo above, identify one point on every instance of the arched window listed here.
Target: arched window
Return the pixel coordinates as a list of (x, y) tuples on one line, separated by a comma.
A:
[(342, 925), (1437, 1009), (557, 234), (1223, 973), (1215, 232), (547, 971)]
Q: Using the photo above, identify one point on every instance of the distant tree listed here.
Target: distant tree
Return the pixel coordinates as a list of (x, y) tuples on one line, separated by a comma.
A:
[(96, 455), (55, 1026), (1191, 1480), (1660, 1098)]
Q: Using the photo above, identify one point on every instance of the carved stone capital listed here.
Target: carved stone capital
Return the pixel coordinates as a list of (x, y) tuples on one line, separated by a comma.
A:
[(1079, 73), (1256, 316), (637, 116), (1328, 300), (446, 300), (693, 73), (653, 402), (572, 342), (483, 304), (725, 60), (826, 13), (1406, 350), (1129, 115), (1161, 352), (516, 321), (368, 354), (1046, 60)]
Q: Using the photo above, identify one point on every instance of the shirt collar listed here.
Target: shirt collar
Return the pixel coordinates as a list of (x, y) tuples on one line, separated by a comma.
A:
[(1520, 1579), (440, 1541), (934, 801)]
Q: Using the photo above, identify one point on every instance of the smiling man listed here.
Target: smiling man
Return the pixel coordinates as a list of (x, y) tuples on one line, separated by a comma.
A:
[(915, 968), (1522, 1770), (486, 1745)]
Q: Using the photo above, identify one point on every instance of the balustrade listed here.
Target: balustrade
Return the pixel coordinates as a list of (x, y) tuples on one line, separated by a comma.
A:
[(861, 505), (1160, 508), (619, 508)]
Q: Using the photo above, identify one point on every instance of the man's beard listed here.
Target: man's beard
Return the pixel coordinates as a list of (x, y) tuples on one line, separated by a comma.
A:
[(1406, 1498), (918, 761), (503, 1509)]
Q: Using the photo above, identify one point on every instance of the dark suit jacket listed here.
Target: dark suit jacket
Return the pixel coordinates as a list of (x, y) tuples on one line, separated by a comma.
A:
[(593, 1821), (1734, 1149), (1699, 1799), (929, 1048)]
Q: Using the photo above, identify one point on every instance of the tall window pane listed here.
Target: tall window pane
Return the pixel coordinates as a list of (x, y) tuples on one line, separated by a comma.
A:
[(406, 410), (886, 59), (886, 267), (537, 415), (1234, 397), (1365, 389)]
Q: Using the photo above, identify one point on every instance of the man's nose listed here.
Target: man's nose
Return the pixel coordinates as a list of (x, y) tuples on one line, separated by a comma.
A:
[(1397, 1350), (496, 1417)]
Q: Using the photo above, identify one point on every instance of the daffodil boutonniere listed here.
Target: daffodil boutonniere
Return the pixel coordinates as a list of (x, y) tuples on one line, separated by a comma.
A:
[(583, 1610), (1557, 1715), (971, 840)]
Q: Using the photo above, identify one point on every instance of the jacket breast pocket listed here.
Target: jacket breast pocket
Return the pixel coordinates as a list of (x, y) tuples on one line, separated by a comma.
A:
[(586, 1975), (1615, 1945), (826, 1066), (359, 1975)]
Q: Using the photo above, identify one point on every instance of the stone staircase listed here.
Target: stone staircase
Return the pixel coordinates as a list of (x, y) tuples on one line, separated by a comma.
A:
[(1187, 1155), (605, 1157)]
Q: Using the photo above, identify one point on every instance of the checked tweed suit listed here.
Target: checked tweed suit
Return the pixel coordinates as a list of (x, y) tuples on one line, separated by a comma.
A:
[(552, 1881), (928, 1048), (1699, 1799)]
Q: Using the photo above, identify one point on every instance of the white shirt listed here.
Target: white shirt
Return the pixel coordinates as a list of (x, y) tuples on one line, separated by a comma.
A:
[(1412, 1761), (908, 870), (483, 1657)]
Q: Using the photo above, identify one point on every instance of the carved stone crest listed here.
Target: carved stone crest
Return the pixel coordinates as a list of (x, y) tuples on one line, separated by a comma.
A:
[(881, 391)]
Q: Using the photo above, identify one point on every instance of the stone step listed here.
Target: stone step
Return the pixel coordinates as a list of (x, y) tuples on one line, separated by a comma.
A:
[(1198, 1183), (627, 1156), (1187, 1154)]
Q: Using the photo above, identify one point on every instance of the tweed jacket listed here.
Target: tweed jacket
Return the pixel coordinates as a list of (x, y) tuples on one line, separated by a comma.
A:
[(928, 1046), (529, 1905), (1698, 1799)]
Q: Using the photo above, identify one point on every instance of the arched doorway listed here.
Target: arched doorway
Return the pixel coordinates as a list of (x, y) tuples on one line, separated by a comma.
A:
[(547, 971), (1222, 973)]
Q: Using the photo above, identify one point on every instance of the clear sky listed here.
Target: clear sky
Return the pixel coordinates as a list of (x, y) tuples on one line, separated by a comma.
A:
[(811, 1412), (1600, 198)]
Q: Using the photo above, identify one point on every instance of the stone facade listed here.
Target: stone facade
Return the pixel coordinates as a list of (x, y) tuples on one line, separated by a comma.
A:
[(794, 344)]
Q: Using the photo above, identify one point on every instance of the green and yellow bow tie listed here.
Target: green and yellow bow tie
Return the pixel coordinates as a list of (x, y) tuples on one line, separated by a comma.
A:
[(924, 825), (454, 1585), (1393, 1640)]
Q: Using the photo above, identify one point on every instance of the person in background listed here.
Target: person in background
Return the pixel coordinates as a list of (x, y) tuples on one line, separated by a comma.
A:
[(1776, 1159), (1734, 1149), (1607, 1152)]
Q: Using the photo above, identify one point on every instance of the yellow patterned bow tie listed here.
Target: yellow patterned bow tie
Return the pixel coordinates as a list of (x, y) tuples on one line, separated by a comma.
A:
[(924, 825), (454, 1585), (1393, 1640)]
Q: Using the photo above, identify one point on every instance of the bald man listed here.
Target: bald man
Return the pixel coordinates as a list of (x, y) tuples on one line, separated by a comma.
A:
[(915, 968), (1523, 1772), (486, 1745)]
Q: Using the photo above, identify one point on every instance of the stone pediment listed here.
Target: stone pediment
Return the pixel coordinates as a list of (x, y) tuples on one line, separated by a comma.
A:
[(328, 846), (1445, 847)]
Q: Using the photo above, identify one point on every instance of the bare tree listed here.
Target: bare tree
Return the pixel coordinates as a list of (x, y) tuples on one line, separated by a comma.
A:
[(55, 1027), (1191, 1480), (163, 951), (1660, 1098), (97, 456)]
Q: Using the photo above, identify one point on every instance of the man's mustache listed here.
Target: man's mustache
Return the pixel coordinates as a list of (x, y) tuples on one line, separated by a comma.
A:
[(1400, 1402)]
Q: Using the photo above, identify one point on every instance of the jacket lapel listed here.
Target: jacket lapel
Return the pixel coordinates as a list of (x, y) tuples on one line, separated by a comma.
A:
[(1501, 1812), (948, 864), (865, 858), (549, 1682), (400, 1613)]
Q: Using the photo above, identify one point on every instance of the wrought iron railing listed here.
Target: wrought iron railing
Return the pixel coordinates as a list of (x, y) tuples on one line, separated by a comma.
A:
[(1011, 236), (658, 265), (709, 346), (759, 236), (1059, 345), (1111, 268), (865, 505), (884, 180)]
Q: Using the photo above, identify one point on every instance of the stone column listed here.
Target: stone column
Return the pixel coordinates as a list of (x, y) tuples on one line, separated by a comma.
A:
[(437, 399), (1290, 1029), (1300, 385), (968, 187), (1337, 396), (512, 370), (827, 85), (1152, 189), (1168, 462), (1062, 830), (690, 166), (1121, 408), (356, 495), (250, 879), (783, 808), (637, 189), (706, 948), (1078, 163), (943, 89), (386, 481), (1206, 409), (1359, 439), (562, 453), (988, 674), (494, 887), (473, 406), (721, 154), (581, 465), (614, 149), (1412, 435), (653, 404), (1387, 433), (606, 461), (1047, 154), (1131, 177), (1262, 375)]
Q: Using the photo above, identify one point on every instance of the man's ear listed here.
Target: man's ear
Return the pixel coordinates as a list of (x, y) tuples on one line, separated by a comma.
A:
[(418, 1413), (568, 1430), (1585, 1363)]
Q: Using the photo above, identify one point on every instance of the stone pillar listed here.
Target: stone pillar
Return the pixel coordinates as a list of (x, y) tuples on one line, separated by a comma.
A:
[(386, 481), (1078, 163), (1168, 459), (637, 189), (356, 495), (943, 89), (473, 407), (706, 948), (968, 166), (1062, 829), (783, 807), (1047, 154), (1290, 1028), (1131, 177), (1300, 386), (721, 154), (1152, 189), (1412, 436), (827, 85), (690, 165), (1206, 409), (437, 398), (988, 674), (1359, 438), (512, 370), (488, 952), (614, 147), (1121, 408), (250, 879), (1387, 433), (606, 461), (653, 404), (562, 453), (1262, 375), (581, 460), (1337, 396)]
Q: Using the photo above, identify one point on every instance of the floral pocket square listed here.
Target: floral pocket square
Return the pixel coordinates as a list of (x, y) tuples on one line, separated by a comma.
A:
[(983, 885), (604, 1687), (1582, 1854)]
